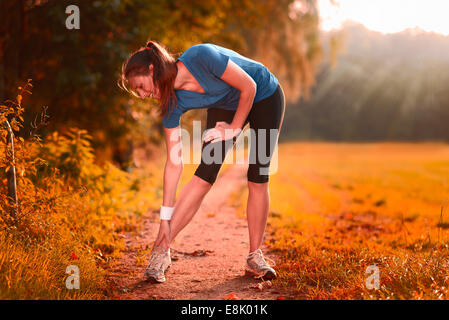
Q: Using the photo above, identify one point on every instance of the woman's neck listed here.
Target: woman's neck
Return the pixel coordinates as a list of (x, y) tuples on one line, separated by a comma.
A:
[(181, 79)]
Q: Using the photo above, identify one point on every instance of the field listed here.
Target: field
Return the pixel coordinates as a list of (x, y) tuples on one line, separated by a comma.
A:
[(347, 221), (341, 214)]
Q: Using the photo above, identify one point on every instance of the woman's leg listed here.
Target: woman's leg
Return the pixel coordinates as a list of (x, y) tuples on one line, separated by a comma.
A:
[(257, 213), (194, 192), (185, 208), (188, 203), (266, 115)]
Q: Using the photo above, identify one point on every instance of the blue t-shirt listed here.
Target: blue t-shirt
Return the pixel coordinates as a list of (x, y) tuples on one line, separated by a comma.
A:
[(207, 63)]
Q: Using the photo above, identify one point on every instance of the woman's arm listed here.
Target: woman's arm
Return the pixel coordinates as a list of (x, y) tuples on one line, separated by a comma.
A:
[(172, 173), (239, 79), (173, 165)]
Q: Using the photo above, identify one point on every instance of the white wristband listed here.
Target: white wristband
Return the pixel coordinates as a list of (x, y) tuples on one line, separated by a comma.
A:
[(166, 213)]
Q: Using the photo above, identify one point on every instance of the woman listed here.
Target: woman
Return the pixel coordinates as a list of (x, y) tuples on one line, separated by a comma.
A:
[(236, 91)]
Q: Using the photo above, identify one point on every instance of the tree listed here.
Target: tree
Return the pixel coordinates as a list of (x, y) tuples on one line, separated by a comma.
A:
[(75, 71)]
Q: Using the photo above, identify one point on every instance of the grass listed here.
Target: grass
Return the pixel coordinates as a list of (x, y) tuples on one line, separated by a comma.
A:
[(337, 209), (85, 230), (71, 211)]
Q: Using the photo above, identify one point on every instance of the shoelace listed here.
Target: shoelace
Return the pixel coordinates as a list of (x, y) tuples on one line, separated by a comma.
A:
[(157, 260), (261, 259), (156, 266)]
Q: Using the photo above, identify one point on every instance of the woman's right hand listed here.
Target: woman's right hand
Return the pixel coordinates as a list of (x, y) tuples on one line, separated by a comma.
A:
[(163, 237)]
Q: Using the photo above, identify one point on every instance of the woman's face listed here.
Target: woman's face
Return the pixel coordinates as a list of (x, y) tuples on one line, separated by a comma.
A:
[(144, 86)]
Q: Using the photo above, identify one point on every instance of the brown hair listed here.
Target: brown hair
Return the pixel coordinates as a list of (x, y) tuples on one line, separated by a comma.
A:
[(164, 72)]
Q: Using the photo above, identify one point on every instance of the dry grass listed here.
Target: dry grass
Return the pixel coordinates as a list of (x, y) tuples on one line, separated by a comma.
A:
[(70, 227), (338, 208), (71, 211)]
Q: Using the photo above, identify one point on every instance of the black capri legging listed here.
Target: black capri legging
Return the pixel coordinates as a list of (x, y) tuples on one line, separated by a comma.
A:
[(265, 118)]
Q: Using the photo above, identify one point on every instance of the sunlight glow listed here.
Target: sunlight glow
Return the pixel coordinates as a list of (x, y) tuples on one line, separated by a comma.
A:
[(387, 16)]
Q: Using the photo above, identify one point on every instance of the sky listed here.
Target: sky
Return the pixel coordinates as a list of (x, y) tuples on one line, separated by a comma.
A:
[(387, 16)]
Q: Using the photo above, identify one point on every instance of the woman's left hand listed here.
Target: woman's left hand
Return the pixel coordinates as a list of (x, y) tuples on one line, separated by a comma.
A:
[(222, 131)]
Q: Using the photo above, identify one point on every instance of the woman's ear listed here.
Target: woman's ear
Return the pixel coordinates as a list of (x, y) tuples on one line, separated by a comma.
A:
[(150, 68)]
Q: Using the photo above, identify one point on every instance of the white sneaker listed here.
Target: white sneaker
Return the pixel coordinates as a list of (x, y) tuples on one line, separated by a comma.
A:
[(160, 262), (256, 265)]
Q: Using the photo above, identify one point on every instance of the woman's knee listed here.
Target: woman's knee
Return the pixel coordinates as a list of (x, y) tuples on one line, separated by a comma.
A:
[(205, 176), (258, 174), (201, 182), (257, 187)]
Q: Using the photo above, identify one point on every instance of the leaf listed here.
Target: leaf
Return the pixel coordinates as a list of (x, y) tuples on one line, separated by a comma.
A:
[(19, 99), (231, 296)]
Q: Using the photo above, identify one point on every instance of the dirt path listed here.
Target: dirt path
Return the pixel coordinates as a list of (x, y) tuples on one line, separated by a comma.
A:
[(208, 255)]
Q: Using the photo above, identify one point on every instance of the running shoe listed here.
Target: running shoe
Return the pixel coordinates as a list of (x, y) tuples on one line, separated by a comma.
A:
[(257, 265), (160, 262)]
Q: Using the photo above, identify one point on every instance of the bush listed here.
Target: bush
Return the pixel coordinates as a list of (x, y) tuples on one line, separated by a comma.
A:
[(71, 211)]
